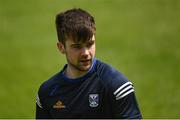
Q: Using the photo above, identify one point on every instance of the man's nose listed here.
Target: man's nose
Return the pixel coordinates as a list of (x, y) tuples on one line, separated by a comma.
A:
[(84, 51)]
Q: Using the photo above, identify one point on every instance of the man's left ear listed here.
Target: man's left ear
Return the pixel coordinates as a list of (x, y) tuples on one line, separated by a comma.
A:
[(61, 47)]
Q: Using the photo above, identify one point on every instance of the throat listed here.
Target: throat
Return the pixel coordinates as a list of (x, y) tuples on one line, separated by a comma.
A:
[(74, 73)]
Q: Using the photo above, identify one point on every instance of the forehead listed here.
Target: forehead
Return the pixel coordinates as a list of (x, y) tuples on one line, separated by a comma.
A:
[(71, 41)]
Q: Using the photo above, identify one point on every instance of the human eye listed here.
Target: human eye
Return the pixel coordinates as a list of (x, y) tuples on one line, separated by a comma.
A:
[(77, 46), (89, 44)]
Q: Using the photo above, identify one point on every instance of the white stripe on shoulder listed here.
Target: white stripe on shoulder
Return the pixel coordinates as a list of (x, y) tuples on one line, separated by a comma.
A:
[(121, 87), (123, 90), (127, 93), (38, 101)]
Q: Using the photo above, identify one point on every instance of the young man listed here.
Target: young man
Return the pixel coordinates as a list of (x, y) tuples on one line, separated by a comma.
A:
[(85, 87)]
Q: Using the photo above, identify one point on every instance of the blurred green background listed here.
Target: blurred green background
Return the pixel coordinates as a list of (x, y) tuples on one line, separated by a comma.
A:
[(140, 38)]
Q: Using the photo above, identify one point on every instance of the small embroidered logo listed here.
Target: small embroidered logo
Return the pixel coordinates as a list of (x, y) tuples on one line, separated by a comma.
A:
[(93, 100), (59, 105)]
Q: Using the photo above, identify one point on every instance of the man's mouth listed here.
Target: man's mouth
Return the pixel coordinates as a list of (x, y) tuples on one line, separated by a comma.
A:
[(85, 62)]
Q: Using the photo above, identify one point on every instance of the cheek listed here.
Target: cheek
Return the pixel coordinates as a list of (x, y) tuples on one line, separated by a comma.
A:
[(72, 54), (93, 50)]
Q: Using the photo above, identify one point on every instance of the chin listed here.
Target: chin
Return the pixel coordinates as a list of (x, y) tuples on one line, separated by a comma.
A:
[(85, 68)]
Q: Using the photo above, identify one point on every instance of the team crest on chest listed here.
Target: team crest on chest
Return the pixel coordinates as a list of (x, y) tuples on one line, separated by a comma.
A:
[(93, 100)]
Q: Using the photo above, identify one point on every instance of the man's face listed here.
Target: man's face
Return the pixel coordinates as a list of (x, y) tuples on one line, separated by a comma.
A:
[(80, 55)]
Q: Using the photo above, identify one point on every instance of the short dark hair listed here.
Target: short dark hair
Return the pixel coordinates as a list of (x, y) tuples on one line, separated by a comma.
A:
[(75, 23)]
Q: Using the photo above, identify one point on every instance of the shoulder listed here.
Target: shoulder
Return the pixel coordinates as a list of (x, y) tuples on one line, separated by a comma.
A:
[(47, 86), (120, 92), (47, 89), (109, 74), (114, 80)]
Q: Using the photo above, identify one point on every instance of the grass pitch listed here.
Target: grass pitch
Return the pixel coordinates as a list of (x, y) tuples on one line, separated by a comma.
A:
[(137, 37)]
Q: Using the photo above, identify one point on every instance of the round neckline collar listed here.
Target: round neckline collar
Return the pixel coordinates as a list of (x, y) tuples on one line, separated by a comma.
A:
[(79, 79)]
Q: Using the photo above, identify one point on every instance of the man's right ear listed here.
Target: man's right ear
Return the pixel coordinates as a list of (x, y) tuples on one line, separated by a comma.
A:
[(61, 47)]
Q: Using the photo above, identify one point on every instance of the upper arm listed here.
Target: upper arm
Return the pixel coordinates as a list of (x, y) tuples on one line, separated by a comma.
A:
[(41, 111), (124, 103)]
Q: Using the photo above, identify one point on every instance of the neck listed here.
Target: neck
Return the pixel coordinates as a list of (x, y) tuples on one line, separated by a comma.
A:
[(73, 73)]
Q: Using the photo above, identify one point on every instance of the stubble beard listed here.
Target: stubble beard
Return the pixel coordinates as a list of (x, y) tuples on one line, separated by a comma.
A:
[(80, 67)]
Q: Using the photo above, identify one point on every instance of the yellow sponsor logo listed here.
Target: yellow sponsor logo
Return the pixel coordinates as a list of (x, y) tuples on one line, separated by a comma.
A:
[(59, 105)]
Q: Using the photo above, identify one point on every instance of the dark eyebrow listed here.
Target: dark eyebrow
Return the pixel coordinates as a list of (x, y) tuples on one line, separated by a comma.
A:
[(79, 44), (75, 44), (91, 41)]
